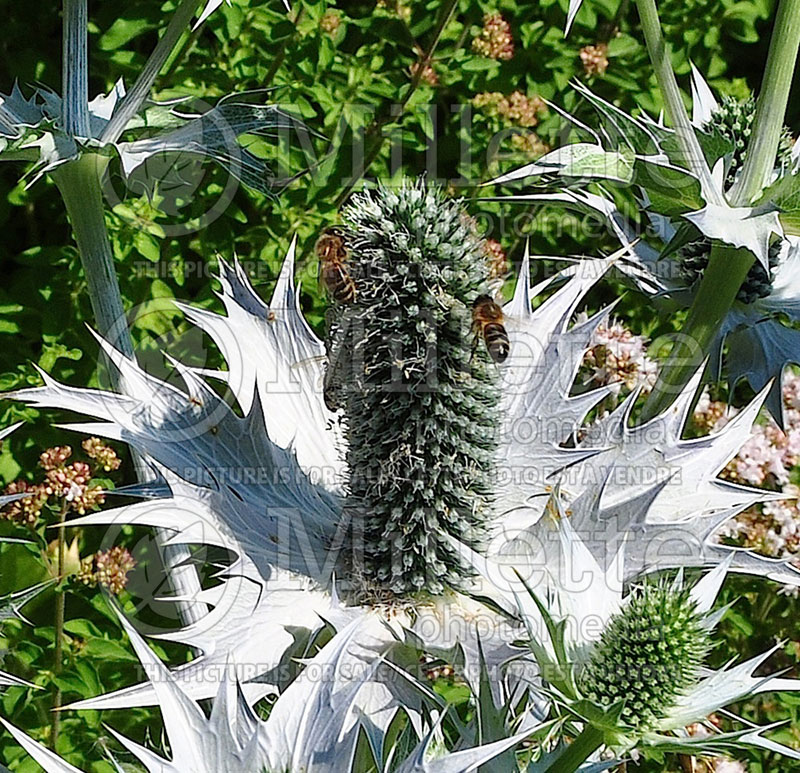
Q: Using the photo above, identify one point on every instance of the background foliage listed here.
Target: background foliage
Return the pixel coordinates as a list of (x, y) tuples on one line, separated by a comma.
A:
[(344, 69)]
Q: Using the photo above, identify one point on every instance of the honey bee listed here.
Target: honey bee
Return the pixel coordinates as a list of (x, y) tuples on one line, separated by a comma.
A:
[(332, 253), (487, 323)]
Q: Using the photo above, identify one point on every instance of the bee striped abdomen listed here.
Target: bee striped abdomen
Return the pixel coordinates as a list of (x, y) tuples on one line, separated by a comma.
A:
[(487, 323), (497, 342), (333, 256), (339, 283)]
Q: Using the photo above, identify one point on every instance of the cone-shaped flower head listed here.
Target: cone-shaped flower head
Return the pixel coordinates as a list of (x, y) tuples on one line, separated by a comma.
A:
[(649, 655), (418, 388)]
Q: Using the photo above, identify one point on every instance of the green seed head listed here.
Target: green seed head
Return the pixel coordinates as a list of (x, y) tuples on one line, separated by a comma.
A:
[(649, 655), (419, 392)]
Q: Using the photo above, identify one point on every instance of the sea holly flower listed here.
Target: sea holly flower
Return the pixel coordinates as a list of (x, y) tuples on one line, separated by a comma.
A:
[(292, 487), (33, 132), (52, 130), (623, 669), (685, 216)]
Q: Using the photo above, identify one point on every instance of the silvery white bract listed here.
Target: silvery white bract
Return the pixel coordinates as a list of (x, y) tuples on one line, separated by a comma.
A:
[(30, 130), (212, 5), (566, 601), (312, 728), (285, 520), (638, 152)]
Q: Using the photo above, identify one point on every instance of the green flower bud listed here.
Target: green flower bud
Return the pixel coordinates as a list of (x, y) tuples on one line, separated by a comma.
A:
[(648, 656)]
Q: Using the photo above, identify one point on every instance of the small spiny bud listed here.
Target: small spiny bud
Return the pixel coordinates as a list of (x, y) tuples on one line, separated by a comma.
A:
[(649, 655)]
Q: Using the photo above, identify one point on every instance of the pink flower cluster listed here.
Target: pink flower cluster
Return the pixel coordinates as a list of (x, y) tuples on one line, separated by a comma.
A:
[(594, 59), (494, 41), (769, 455), (108, 568), (71, 483), (330, 22), (516, 109), (428, 74), (25, 511), (105, 456), (618, 357), (766, 459)]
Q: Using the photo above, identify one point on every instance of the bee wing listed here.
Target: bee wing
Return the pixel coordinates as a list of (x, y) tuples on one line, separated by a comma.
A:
[(341, 360)]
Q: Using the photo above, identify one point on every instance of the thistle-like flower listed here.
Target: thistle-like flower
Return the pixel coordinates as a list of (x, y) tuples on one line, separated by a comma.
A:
[(686, 217), (648, 656), (436, 449), (622, 670)]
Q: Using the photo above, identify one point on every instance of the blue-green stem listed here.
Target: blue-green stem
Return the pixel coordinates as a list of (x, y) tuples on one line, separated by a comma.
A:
[(130, 105), (577, 752), (771, 106), (79, 184), (75, 69), (728, 267), (673, 101)]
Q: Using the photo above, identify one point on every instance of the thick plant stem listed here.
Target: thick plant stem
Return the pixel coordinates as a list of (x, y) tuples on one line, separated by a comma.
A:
[(79, 184), (771, 106), (130, 105), (676, 111), (574, 755), (727, 269), (75, 69)]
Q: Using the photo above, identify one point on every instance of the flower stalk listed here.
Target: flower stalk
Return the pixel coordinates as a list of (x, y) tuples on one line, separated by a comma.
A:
[(79, 185), (373, 135), (726, 271), (673, 102), (771, 105), (61, 599), (130, 105), (577, 752), (75, 68)]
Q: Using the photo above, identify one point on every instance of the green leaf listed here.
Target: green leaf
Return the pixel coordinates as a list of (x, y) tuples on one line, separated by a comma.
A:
[(672, 191), (784, 193)]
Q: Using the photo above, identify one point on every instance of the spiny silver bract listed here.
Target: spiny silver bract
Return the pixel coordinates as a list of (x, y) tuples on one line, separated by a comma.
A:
[(648, 656), (732, 122), (420, 399)]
